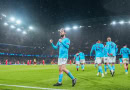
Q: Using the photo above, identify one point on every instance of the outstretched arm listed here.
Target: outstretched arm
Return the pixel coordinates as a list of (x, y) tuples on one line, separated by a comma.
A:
[(54, 46)]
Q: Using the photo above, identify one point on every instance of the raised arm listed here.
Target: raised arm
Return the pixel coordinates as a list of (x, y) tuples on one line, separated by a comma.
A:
[(54, 46)]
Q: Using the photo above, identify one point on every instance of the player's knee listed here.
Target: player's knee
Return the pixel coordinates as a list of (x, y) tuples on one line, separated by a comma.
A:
[(60, 69), (64, 69)]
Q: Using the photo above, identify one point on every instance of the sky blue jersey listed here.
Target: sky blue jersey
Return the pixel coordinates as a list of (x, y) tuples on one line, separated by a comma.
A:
[(77, 57), (63, 47), (125, 52), (82, 56), (106, 51), (99, 50), (120, 59), (112, 48)]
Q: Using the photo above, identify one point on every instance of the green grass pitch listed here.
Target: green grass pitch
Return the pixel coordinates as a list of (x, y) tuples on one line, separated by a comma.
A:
[(46, 76)]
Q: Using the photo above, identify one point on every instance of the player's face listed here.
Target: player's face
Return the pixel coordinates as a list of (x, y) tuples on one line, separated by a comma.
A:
[(125, 46), (108, 39), (62, 33)]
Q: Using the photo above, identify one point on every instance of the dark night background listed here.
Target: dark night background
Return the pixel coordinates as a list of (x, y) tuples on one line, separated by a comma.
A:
[(47, 16)]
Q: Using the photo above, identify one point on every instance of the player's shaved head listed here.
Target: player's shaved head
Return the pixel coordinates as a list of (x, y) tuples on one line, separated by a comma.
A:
[(109, 39)]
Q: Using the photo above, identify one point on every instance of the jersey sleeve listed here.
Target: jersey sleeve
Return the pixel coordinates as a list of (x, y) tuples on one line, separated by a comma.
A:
[(55, 46)]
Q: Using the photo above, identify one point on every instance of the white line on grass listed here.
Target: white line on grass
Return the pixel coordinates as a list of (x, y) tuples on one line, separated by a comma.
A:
[(29, 87)]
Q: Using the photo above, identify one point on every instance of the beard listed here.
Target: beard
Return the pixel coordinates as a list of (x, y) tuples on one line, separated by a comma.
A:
[(62, 36)]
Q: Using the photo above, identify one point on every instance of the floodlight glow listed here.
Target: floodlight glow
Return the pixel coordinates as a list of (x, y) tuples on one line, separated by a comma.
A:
[(24, 32), (18, 21), (18, 29), (12, 26), (113, 23), (75, 27), (12, 19), (67, 28), (121, 22), (129, 22), (6, 24), (30, 27)]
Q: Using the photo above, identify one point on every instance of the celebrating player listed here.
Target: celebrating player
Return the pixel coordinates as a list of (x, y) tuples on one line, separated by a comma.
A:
[(82, 59), (76, 58), (106, 60), (63, 45), (125, 52), (99, 53), (112, 51)]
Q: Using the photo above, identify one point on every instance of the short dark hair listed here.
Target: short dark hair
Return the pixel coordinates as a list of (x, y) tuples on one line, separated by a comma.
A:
[(98, 40), (124, 44)]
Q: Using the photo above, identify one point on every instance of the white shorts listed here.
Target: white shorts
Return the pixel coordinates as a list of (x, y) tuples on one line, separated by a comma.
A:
[(77, 62), (95, 61), (112, 59), (62, 61), (99, 60), (125, 60), (82, 61), (106, 60)]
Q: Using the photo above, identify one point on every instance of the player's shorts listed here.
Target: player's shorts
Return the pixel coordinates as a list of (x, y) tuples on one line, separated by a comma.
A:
[(125, 60), (106, 60), (99, 60), (112, 59), (82, 61), (95, 61), (62, 61), (77, 62)]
